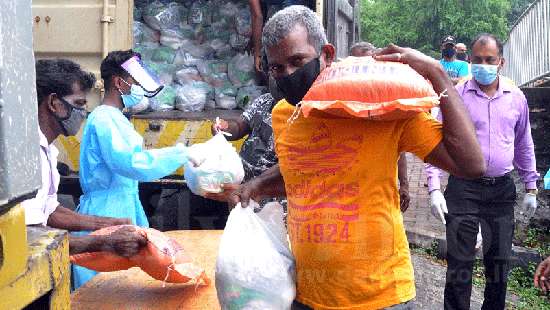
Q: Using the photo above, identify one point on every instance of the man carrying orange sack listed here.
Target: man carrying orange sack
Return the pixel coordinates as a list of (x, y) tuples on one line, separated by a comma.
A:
[(339, 175)]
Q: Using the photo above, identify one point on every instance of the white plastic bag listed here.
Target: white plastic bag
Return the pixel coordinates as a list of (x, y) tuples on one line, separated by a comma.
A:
[(255, 268), (221, 164)]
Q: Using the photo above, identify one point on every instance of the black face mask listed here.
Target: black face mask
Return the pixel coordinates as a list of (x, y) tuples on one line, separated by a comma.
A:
[(462, 56), (294, 86), (448, 52)]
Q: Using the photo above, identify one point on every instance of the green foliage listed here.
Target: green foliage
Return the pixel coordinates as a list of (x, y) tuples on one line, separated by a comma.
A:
[(520, 282), (422, 24)]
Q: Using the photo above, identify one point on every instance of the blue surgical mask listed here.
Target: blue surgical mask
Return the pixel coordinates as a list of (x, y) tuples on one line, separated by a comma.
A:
[(136, 95), (484, 74)]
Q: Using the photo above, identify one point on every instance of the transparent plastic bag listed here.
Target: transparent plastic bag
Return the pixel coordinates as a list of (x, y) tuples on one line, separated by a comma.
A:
[(243, 22), (173, 38), (203, 51), (159, 16), (222, 164), (164, 54), (192, 97), (184, 58), (238, 42), (144, 34), (142, 106), (241, 70), (187, 75), (255, 269), (226, 97), (200, 13), (164, 100)]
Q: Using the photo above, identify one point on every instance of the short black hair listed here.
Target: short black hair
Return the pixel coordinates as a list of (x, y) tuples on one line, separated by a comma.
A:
[(58, 76), (112, 65), (484, 38), (363, 46)]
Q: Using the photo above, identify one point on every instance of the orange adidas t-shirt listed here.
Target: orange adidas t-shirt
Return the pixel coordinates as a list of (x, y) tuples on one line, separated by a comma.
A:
[(344, 222)]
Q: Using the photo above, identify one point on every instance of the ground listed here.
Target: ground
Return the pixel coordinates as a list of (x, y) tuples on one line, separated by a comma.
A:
[(430, 283)]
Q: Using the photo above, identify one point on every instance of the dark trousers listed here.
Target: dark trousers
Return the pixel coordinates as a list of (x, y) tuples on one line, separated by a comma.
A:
[(470, 203)]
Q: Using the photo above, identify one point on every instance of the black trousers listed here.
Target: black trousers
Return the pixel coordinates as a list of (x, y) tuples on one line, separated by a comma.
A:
[(470, 203)]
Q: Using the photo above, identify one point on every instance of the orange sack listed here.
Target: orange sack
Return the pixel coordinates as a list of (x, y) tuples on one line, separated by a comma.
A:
[(162, 258), (366, 88)]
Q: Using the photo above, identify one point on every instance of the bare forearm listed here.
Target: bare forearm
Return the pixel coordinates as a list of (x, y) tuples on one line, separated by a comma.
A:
[(257, 22), (67, 219), (84, 244), (459, 136), (270, 184), (237, 129)]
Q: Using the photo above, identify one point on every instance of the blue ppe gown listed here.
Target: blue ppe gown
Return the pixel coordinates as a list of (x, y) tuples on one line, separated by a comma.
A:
[(112, 161)]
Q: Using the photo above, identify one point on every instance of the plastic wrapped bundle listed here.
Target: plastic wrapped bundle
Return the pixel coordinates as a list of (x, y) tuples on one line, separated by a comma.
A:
[(221, 30), (151, 11), (145, 51), (243, 22), (241, 70), (159, 16), (163, 54), (239, 42), (247, 94), (165, 100), (145, 35), (192, 97), (226, 97), (209, 67), (142, 106), (200, 13), (202, 50), (186, 59), (223, 50), (187, 75), (164, 72), (173, 38), (227, 10)]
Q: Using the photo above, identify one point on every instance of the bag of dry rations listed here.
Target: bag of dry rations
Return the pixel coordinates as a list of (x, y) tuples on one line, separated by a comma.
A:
[(162, 258), (366, 88)]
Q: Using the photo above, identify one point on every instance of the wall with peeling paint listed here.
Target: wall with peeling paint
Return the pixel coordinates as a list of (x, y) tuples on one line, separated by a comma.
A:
[(19, 142)]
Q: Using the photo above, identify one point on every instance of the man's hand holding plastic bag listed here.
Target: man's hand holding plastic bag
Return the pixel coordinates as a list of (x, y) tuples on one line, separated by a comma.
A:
[(255, 268), (215, 162)]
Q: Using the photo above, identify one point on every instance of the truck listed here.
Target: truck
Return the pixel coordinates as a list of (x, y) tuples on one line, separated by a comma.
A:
[(527, 55), (85, 31)]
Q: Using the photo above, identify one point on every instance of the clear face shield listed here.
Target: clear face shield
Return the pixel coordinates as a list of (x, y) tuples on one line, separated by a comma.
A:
[(146, 78)]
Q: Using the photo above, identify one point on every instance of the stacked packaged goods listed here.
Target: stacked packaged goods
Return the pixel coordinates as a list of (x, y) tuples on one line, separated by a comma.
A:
[(199, 51)]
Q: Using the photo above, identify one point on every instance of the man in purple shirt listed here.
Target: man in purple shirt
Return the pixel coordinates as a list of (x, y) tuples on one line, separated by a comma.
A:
[(500, 114)]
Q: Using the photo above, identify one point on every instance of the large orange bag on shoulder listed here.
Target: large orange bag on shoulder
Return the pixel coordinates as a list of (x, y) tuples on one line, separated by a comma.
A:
[(366, 88), (162, 258)]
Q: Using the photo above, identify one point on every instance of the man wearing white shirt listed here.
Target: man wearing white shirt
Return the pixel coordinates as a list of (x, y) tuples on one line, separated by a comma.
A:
[(62, 87)]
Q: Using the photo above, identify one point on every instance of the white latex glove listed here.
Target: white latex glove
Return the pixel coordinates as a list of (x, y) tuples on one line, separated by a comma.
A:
[(529, 205), (479, 239), (438, 205)]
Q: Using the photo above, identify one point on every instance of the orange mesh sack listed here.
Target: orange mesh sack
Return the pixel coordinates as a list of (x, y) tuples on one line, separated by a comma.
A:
[(162, 258), (103, 261), (165, 259), (366, 88)]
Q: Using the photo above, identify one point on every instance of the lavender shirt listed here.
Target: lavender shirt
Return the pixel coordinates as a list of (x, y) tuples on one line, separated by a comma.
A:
[(502, 129)]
